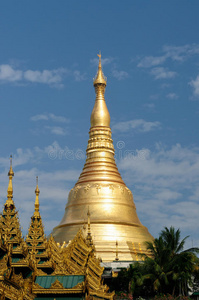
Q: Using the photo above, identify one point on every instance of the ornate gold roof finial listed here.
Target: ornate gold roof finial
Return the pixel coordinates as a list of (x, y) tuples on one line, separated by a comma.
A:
[(89, 237), (37, 191), (100, 115), (99, 78), (89, 221), (100, 56), (116, 256), (10, 188)]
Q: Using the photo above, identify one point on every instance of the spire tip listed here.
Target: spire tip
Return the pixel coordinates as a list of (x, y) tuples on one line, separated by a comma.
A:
[(99, 78), (37, 191)]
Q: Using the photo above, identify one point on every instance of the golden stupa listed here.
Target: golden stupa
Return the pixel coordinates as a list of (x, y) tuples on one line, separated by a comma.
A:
[(116, 230)]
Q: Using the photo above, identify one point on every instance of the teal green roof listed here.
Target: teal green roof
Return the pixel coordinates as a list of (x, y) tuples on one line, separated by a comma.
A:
[(68, 281), (15, 259)]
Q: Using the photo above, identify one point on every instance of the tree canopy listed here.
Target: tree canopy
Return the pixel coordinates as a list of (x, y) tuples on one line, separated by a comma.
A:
[(168, 270)]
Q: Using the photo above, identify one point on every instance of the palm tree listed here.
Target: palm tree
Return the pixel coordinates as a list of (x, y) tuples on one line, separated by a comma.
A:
[(170, 267), (168, 270), (182, 262)]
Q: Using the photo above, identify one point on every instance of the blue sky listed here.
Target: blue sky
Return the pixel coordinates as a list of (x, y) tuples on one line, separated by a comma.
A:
[(150, 55)]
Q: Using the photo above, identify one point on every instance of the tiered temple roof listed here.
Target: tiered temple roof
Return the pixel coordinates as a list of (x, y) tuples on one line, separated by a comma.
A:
[(39, 268), (16, 264)]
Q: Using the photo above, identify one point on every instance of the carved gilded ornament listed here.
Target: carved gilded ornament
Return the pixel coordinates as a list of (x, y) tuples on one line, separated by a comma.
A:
[(56, 285)]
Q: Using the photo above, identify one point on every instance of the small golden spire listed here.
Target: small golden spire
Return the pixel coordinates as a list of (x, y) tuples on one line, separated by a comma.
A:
[(89, 237), (100, 114), (99, 78), (89, 221), (37, 191), (116, 257), (10, 188)]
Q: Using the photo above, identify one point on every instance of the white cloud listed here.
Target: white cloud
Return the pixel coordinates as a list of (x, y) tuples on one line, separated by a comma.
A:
[(7, 73), (53, 194), (175, 53), (138, 125), (53, 78), (162, 73), (35, 155), (180, 53), (195, 85), (172, 96), (165, 186), (49, 117), (54, 186), (120, 75), (151, 61), (57, 130), (45, 76), (78, 76), (149, 105), (105, 61)]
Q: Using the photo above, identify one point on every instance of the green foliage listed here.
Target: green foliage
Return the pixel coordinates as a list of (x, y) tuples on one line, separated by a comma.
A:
[(121, 282), (169, 271)]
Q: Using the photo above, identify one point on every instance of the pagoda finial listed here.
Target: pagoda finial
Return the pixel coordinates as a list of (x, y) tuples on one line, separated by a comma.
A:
[(100, 115), (99, 78), (100, 56), (37, 191), (89, 221), (116, 254), (10, 188), (89, 237)]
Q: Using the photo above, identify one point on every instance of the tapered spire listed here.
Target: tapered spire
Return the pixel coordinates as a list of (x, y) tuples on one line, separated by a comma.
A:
[(37, 191), (116, 254), (99, 78), (89, 237), (100, 114), (100, 163), (10, 188)]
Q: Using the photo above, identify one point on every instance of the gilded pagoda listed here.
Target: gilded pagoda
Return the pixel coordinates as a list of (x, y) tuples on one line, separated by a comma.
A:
[(38, 268), (68, 263), (114, 220)]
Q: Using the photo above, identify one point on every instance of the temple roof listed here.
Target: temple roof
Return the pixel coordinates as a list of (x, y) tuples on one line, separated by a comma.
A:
[(68, 281)]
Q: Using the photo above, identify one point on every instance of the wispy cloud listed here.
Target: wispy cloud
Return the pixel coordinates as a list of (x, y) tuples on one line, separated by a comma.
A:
[(53, 78), (165, 186), (78, 76), (151, 61), (46, 76), (180, 53), (8, 73), (172, 96), (174, 53), (105, 61), (139, 125), (54, 186), (49, 117), (195, 85), (149, 105), (163, 73), (120, 75), (57, 130)]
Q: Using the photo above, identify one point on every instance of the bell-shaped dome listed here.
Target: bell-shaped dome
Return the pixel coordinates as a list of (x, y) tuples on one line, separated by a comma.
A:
[(100, 187)]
